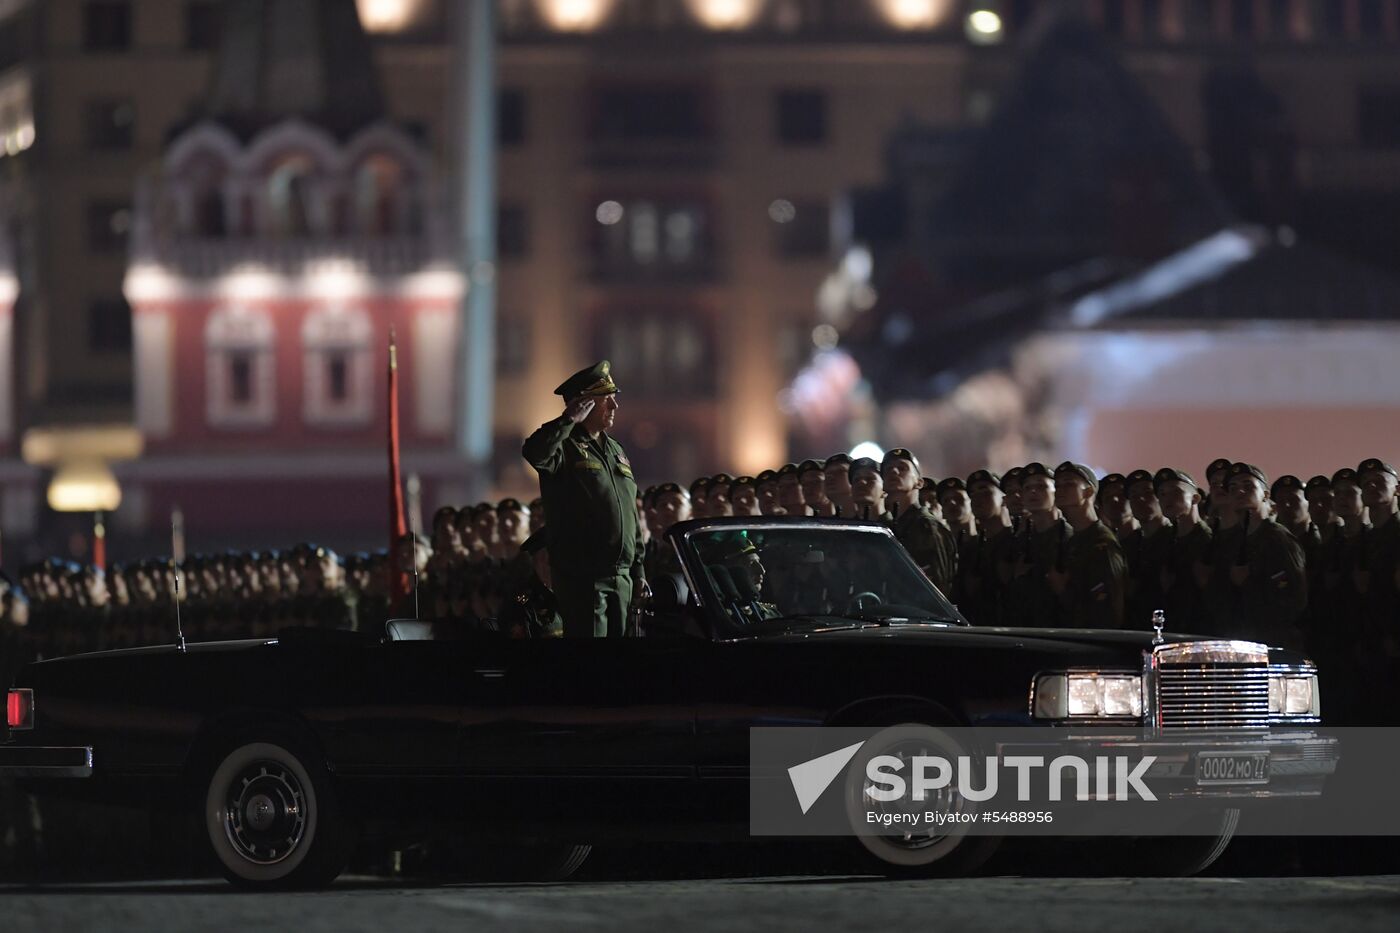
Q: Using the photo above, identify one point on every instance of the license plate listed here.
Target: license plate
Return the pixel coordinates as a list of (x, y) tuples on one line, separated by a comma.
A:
[(1232, 768)]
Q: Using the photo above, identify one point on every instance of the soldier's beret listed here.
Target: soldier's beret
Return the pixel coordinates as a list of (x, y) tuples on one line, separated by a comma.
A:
[(1344, 475), (863, 463), (1112, 479), (1078, 470), (699, 483), (900, 453), (787, 469), (837, 458), (767, 476), (1286, 481), (983, 476), (1035, 468), (1249, 469), (648, 494), (1318, 482), (1015, 474), (1138, 476), (537, 541), (950, 484), (1172, 475), (481, 508), (1376, 466), (666, 488), (508, 505), (742, 481), (807, 466), (722, 479), (1222, 465), (595, 381)]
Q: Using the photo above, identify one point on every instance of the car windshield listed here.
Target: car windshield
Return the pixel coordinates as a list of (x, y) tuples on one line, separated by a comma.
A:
[(762, 573)]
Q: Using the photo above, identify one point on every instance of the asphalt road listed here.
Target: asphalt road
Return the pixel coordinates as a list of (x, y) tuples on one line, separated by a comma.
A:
[(823, 903)]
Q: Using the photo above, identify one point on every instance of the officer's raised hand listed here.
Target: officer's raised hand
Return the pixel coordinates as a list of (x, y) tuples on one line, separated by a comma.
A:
[(578, 409)]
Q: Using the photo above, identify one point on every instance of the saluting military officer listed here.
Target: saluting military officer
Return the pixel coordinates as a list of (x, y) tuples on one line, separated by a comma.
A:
[(1094, 580), (595, 550)]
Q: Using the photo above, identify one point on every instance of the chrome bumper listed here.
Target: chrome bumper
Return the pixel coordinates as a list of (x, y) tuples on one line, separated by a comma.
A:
[(40, 761)]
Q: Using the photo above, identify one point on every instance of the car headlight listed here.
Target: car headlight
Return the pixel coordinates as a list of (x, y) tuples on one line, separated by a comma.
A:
[(1088, 695), (1294, 695)]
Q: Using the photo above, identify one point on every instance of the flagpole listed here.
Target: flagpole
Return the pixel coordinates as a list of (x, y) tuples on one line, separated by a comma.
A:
[(398, 522)]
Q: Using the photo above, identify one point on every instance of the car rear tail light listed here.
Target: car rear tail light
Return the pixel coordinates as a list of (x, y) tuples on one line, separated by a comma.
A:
[(19, 709)]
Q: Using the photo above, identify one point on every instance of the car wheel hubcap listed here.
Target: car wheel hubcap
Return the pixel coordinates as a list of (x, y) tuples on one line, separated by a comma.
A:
[(265, 813)]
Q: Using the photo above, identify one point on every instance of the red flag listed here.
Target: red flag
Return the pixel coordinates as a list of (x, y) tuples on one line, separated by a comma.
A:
[(399, 588), (99, 542)]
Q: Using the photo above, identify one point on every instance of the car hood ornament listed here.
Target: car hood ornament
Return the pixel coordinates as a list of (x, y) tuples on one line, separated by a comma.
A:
[(1159, 622)]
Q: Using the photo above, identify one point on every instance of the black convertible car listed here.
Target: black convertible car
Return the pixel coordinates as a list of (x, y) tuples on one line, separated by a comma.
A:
[(286, 746)]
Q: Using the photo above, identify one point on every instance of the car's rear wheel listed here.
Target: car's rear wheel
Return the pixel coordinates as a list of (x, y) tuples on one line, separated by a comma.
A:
[(917, 850), (272, 818)]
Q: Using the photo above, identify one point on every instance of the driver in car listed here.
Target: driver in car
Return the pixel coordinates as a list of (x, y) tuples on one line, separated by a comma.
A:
[(738, 573)]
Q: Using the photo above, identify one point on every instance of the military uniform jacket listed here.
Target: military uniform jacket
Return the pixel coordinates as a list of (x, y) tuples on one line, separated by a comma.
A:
[(591, 499), (1269, 605), (1183, 597), (1381, 603), (531, 612), (1028, 598), (929, 541), (983, 583), (1098, 576), (1147, 553)]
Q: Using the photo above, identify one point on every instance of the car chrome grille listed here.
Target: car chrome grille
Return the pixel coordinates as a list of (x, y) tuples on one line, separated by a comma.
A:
[(1220, 685)]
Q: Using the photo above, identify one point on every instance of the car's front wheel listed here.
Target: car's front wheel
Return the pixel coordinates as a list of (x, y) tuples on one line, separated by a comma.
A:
[(918, 849), (272, 818)]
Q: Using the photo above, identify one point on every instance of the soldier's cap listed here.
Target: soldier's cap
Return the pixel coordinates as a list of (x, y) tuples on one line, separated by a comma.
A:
[(1017, 473), (837, 458), (594, 381), (787, 469), (900, 453), (508, 505), (1139, 476), (1223, 465), (1032, 469), (721, 479), (1249, 469), (1172, 475), (1344, 475), (481, 508), (537, 541), (702, 481), (950, 484), (1286, 481), (767, 476), (666, 488), (732, 548), (863, 463), (1317, 482), (742, 481), (1373, 465), (983, 476), (1112, 479), (648, 494), (807, 466), (1079, 470)]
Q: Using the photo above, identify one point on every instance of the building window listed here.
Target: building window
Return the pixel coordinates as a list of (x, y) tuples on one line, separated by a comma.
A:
[(806, 231), (338, 365), (379, 197), (510, 117), (106, 26), (665, 354), (512, 230), (649, 113), (201, 25), (1378, 118), (289, 197), (108, 223), (653, 237), (109, 123), (240, 373), (109, 326), (512, 344), (801, 117)]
